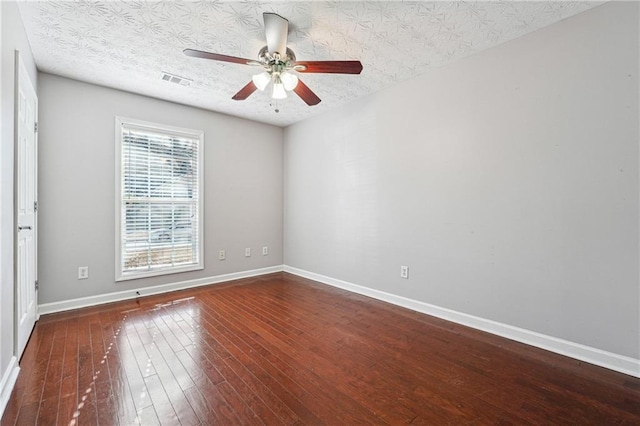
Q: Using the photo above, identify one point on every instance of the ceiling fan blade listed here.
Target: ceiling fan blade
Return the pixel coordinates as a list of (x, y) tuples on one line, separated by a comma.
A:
[(245, 92), (216, 57), (275, 29), (332, 67), (306, 94)]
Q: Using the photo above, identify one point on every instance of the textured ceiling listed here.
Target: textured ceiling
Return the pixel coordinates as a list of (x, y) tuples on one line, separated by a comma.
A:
[(127, 45)]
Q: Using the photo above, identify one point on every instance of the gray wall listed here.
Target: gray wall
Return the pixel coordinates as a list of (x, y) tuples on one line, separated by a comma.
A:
[(507, 182), (13, 37), (242, 189)]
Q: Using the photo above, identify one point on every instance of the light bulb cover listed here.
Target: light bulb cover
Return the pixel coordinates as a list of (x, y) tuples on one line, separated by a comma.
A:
[(278, 91), (261, 80), (289, 80)]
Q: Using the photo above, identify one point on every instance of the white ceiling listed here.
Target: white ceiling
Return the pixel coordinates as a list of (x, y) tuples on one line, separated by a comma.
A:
[(127, 45)]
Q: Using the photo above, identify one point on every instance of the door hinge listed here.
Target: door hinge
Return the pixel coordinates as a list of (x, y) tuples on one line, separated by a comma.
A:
[(35, 127), (35, 206), (36, 285)]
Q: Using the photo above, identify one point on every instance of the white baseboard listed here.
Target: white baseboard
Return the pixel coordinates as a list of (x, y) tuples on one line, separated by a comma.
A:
[(612, 361), (83, 302), (7, 382)]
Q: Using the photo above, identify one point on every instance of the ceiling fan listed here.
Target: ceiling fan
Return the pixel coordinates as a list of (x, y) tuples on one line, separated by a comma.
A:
[(279, 62)]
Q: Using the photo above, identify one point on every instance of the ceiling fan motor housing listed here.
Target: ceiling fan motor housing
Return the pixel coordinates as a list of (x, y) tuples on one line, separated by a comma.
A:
[(269, 60)]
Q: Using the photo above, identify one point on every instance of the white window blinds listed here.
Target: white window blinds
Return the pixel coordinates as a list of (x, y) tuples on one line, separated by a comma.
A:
[(160, 199)]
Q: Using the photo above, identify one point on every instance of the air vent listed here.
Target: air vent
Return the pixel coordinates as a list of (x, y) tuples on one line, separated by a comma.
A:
[(172, 78)]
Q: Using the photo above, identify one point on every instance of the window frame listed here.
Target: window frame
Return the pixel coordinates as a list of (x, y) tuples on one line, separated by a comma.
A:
[(120, 273)]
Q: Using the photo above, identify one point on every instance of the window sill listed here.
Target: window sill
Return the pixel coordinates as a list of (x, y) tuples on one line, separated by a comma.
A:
[(126, 276)]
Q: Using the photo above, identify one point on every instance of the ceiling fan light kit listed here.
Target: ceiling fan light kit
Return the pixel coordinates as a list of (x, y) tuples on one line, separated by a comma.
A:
[(261, 80), (279, 64), (277, 72), (289, 80), (278, 91)]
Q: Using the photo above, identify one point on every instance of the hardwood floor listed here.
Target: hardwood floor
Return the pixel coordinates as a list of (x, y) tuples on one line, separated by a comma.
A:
[(280, 349)]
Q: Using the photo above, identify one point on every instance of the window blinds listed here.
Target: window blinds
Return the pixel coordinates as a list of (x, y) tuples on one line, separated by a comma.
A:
[(160, 205)]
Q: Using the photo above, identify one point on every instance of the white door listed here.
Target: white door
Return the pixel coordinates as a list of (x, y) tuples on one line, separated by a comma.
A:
[(26, 115)]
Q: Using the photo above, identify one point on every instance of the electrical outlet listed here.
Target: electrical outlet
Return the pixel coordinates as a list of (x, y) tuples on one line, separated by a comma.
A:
[(404, 272), (265, 251), (247, 252), (83, 272), (222, 255)]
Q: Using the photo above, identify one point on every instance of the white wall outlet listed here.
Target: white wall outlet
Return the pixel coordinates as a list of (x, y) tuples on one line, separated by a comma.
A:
[(83, 272), (404, 272), (222, 255), (265, 251), (247, 252)]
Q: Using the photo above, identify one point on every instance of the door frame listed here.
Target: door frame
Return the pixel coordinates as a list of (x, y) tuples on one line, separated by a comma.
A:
[(19, 63)]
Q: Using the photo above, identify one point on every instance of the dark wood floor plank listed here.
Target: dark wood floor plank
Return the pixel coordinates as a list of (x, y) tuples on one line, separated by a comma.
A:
[(28, 414), (169, 318), (67, 406), (86, 408), (202, 407), (280, 349), (132, 371), (105, 397), (265, 349), (377, 333), (260, 390), (216, 410), (69, 370), (246, 366), (364, 381), (138, 348), (161, 402), (182, 377), (302, 367), (50, 399), (242, 394), (36, 366), (166, 370), (124, 407)]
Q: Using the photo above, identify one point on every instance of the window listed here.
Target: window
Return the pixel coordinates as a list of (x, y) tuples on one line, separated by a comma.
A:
[(158, 199)]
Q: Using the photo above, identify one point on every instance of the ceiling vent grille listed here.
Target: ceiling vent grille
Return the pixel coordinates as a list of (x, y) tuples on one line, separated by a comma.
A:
[(172, 78)]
